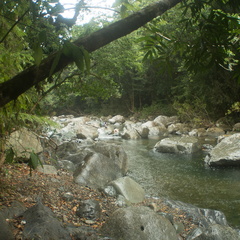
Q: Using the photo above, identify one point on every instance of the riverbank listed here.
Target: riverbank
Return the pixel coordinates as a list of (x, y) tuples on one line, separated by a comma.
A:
[(18, 185)]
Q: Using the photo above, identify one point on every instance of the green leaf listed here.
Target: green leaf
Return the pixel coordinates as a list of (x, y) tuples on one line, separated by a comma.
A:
[(34, 160), (55, 62), (87, 59), (9, 155), (37, 54), (77, 54)]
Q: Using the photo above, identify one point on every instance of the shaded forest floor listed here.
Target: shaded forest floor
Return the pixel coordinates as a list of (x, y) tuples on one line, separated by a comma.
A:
[(17, 184)]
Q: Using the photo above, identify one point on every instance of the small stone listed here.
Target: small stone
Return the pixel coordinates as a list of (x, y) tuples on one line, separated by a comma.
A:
[(89, 222), (68, 196)]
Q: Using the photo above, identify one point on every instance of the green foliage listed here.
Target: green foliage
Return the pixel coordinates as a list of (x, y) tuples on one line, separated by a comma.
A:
[(234, 108), (156, 109), (193, 112)]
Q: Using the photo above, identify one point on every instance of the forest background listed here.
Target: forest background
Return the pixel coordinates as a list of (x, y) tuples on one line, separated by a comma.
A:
[(184, 62)]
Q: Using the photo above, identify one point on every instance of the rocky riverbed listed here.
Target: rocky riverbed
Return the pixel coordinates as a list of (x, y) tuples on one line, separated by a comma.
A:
[(85, 194), (24, 192)]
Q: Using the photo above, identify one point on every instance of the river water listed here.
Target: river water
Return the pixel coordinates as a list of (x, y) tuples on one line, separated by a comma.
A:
[(184, 178)]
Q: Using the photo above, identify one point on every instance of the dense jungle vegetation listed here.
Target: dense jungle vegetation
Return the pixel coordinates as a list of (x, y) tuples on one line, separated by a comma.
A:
[(184, 62)]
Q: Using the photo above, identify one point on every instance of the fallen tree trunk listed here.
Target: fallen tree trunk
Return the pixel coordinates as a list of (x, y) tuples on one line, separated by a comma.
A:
[(19, 84)]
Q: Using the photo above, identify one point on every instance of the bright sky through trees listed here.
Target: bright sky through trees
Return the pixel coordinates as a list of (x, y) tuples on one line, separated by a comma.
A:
[(95, 12)]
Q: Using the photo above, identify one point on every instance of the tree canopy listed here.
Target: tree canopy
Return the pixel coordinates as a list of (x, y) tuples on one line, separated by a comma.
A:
[(191, 53)]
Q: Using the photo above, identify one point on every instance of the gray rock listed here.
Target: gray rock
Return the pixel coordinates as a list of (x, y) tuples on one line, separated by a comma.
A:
[(89, 209), (186, 145), (42, 224), (225, 153), (214, 132), (47, 169), (122, 201), (117, 119), (214, 232), (23, 142), (5, 229), (67, 165), (110, 191), (200, 216), (114, 152), (178, 128), (236, 127), (68, 196), (138, 223), (15, 210), (96, 171), (128, 188)]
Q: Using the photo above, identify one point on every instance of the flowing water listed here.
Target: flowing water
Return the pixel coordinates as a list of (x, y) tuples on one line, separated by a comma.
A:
[(185, 178)]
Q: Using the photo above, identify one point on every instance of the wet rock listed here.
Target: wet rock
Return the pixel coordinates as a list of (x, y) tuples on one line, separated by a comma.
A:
[(89, 209), (128, 188), (42, 224), (225, 153), (185, 145), (138, 223)]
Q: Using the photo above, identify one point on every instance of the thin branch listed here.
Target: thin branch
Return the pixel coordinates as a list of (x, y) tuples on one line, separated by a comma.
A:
[(5, 36), (86, 7)]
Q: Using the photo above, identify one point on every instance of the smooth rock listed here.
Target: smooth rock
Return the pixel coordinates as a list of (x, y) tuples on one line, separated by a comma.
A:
[(225, 153), (138, 223), (130, 189), (185, 145)]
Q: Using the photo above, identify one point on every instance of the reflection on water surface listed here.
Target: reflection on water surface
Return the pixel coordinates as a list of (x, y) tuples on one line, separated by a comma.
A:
[(185, 178)]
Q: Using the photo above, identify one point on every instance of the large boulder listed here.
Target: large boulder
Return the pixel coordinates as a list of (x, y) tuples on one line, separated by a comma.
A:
[(42, 224), (225, 153), (128, 188), (214, 232), (138, 223), (16, 209), (186, 145), (23, 142), (103, 164), (166, 121)]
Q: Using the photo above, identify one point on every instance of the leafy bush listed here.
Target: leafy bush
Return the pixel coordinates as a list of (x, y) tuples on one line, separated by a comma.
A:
[(194, 113), (157, 109)]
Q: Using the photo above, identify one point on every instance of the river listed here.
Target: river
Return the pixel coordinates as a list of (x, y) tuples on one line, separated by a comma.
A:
[(184, 178)]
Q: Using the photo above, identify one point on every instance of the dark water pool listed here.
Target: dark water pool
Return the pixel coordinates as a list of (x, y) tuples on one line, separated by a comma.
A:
[(185, 178)]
